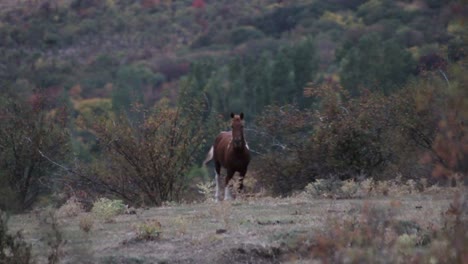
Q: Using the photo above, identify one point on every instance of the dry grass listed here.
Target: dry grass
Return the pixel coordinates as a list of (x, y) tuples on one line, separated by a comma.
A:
[(264, 230), (86, 223), (207, 189), (70, 209), (150, 229), (334, 188)]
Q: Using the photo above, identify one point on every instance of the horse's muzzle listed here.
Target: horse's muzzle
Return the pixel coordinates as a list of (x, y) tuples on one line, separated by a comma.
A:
[(237, 143)]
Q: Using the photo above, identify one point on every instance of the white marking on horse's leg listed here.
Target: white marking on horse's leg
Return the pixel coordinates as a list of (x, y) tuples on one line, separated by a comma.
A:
[(227, 193), (217, 187), (247, 145)]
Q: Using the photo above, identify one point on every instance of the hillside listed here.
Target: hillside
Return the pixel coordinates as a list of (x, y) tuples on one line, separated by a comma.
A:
[(355, 117), (85, 43), (293, 230), (123, 98)]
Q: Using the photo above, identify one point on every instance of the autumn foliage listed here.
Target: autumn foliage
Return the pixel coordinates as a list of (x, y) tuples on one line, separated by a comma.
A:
[(30, 134), (144, 160), (415, 132)]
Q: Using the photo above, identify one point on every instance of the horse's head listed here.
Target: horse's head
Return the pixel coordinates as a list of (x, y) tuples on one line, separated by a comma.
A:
[(237, 126)]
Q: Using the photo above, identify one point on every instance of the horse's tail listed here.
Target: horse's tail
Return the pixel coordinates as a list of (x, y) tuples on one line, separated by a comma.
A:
[(209, 156)]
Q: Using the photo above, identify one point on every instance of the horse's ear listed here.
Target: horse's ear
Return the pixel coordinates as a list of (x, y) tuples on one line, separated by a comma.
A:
[(241, 116), (232, 115)]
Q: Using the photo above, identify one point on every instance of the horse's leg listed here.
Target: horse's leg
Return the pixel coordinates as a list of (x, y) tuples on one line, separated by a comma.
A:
[(227, 193), (241, 180), (218, 173)]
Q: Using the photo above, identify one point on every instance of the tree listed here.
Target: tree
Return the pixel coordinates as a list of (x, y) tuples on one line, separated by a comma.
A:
[(131, 83), (283, 79), (375, 65), (258, 80), (305, 63), (250, 82)]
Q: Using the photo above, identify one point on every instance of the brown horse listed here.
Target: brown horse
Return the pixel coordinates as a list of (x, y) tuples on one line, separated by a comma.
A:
[(230, 151)]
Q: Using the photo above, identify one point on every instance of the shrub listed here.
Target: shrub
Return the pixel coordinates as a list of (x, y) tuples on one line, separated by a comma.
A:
[(335, 188), (349, 189), (149, 230), (277, 137), (53, 237), (107, 209), (206, 189), (345, 138), (86, 223), (72, 207), (13, 248), (149, 154), (322, 188), (182, 224), (374, 135), (373, 235), (455, 231), (31, 132)]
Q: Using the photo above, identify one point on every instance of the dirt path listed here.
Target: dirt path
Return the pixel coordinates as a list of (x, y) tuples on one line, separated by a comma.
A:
[(251, 231)]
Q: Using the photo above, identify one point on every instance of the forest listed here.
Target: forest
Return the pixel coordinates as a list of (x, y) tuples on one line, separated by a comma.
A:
[(119, 101), (123, 98)]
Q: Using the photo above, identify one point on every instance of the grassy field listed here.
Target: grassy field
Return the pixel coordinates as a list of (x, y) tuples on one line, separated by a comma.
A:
[(261, 230)]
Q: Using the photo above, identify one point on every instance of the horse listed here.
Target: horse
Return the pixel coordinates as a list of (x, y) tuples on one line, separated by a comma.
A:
[(230, 151)]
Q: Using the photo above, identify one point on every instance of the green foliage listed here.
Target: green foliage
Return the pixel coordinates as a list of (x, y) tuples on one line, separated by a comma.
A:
[(81, 32), (90, 109), (107, 209), (245, 33), (51, 73), (282, 79), (375, 65), (457, 49), (375, 10), (13, 248), (304, 59), (280, 20), (131, 84), (253, 57), (434, 3), (99, 72), (251, 82)]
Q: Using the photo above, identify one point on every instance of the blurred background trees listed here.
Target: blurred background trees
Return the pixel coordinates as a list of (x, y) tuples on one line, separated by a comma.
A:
[(374, 64), (329, 88)]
